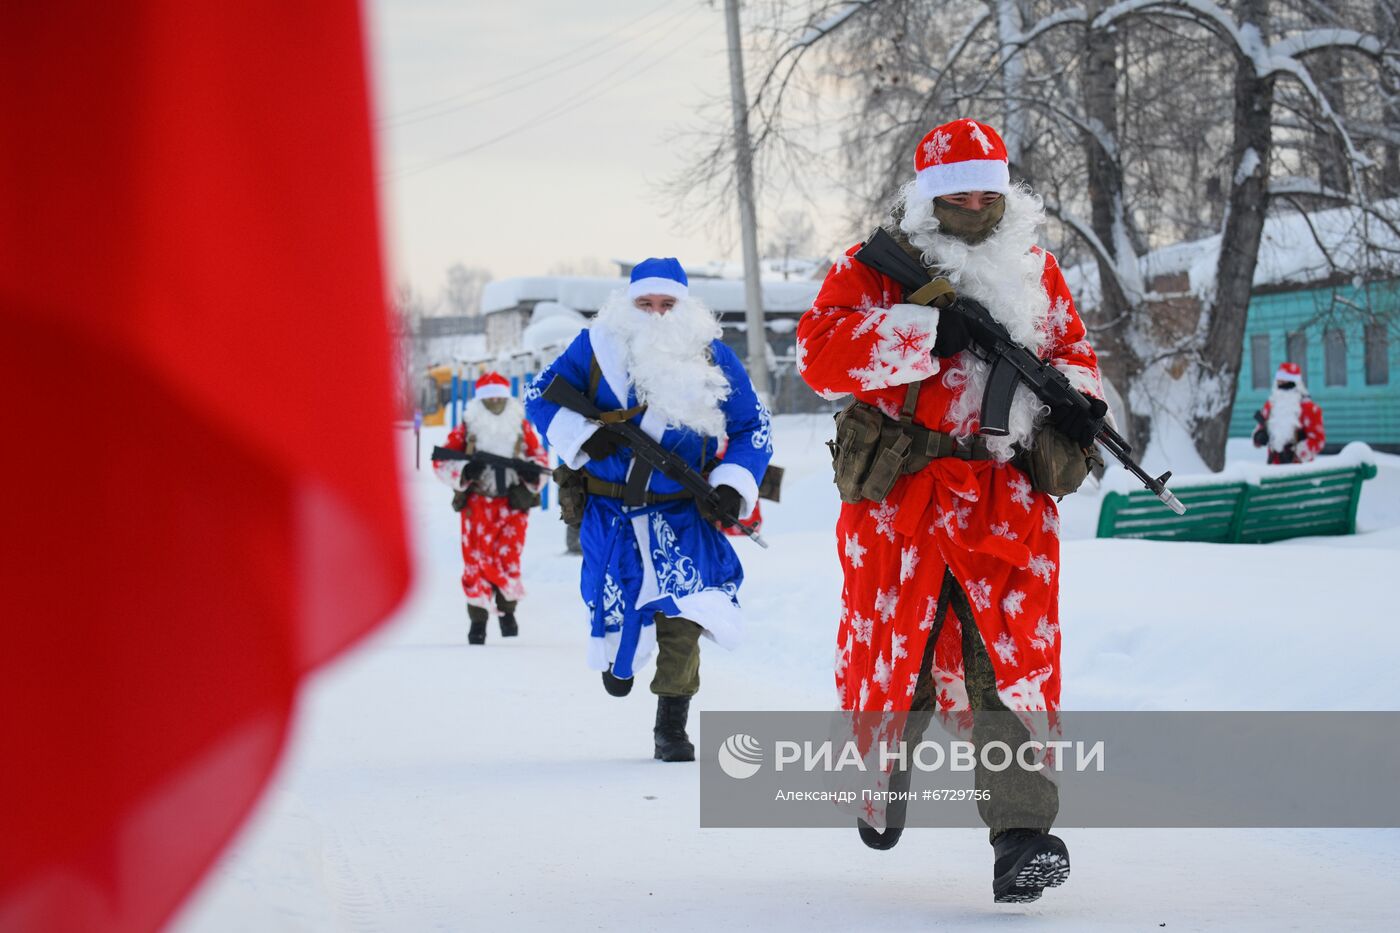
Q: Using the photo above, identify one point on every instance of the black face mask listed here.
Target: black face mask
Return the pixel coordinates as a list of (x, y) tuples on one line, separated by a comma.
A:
[(972, 227), (1288, 385)]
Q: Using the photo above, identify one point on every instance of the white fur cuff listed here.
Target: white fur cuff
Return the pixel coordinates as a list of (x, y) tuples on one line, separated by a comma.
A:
[(904, 351), (567, 433)]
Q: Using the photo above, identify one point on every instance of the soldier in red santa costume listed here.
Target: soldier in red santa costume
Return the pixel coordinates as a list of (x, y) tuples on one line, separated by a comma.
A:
[(494, 505), (950, 598), (1290, 423)]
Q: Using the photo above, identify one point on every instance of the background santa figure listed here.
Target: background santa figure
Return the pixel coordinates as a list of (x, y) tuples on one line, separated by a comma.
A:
[(494, 503), (1290, 423)]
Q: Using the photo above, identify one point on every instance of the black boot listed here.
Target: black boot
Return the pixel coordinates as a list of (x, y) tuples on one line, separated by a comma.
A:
[(672, 744), (616, 686), (1027, 862), (508, 627), (476, 634)]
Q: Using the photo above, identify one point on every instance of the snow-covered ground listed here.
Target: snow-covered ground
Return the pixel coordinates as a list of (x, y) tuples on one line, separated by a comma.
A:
[(433, 786)]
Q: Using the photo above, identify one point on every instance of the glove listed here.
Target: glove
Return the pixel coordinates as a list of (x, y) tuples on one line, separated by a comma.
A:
[(472, 470), (1261, 437), (957, 330), (459, 500), (1080, 425), (728, 507), (601, 445)]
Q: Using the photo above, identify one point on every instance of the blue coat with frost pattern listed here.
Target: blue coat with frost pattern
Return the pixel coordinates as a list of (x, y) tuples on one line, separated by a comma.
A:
[(660, 558)]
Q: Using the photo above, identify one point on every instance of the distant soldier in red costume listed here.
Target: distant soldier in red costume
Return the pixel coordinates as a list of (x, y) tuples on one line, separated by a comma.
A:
[(494, 504)]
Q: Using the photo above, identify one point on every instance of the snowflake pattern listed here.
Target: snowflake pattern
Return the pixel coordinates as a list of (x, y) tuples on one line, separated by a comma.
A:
[(930, 608), (1005, 649), (862, 628), (897, 646), (908, 560), (937, 147), (1045, 632), (884, 515), (1020, 491), (886, 601), (909, 340), (980, 593), (1011, 604), (979, 137), (1050, 522), (1059, 316), (1003, 530), (1042, 566), (882, 672), (855, 553)]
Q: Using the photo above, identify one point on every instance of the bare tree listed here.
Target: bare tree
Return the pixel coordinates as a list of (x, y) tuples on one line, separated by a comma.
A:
[(461, 295), (1142, 122), (792, 238)]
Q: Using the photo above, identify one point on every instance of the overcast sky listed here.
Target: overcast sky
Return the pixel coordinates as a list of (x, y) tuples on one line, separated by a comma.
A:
[(589, 94)]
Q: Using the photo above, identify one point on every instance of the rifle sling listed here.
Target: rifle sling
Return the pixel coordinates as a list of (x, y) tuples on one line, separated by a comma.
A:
[(598, 487)]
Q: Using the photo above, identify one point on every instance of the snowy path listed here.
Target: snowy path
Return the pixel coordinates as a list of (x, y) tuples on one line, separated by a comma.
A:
[(432, 786)]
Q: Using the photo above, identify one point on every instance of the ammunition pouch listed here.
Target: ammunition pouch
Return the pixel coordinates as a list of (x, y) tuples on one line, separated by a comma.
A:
[(872, 451), (1055, 464), (521, 497), (573, 494), (853, 450)]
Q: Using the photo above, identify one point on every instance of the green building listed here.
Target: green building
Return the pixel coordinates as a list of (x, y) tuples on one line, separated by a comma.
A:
[(1344, 337)]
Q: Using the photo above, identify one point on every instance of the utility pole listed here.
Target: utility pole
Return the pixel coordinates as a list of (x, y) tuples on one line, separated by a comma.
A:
[(748, 226)]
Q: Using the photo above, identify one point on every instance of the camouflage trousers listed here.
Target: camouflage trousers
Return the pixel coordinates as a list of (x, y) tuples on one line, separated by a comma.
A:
[(677, 657), (503, 606), (1016, 799)]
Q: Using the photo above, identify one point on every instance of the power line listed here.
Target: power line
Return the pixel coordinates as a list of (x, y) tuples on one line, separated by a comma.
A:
[(415, 114), (538, 119)]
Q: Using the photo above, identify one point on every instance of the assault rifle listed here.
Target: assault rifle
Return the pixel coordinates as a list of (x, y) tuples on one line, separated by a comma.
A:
[(525, 468), (648, 451), (1011, 363)]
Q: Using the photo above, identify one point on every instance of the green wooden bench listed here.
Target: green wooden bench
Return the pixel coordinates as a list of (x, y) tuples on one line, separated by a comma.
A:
[(1291, 505)]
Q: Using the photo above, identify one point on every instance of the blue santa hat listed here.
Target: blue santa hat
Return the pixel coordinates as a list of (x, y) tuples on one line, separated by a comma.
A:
[(658, 277)]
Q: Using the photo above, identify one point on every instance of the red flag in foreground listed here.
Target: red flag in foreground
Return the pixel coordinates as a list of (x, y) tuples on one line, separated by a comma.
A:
[(200, 502)]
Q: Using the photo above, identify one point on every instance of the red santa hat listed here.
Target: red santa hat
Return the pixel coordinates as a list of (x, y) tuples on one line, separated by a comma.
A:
[(963, 155), (1289, 372), (492, 385)]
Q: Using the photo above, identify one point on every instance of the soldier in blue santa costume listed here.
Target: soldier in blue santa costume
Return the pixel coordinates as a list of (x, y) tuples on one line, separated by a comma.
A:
[(657, 576)]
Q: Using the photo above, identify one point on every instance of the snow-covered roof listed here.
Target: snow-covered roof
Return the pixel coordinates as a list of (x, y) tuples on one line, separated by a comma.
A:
[(1295, 249), (587, 293)]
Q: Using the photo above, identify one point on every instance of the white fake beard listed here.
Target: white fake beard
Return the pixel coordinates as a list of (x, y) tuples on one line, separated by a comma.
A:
[(1285, 414), (1004, 275), (495, 434), (667, 362)]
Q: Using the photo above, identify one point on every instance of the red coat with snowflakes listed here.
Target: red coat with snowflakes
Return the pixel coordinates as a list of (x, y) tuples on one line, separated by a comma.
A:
[(979, 518), (1307, 431), (493, 533)]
